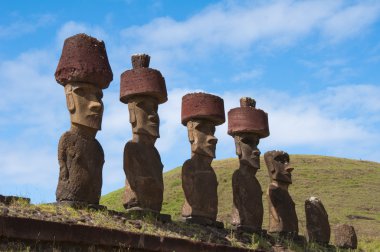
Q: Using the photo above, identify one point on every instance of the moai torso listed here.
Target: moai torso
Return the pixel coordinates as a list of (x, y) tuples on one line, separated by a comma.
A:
[(282, 212), (144, 184), (81, 163), (143, 89), (200, 185), (84, 71), (247, 125), (247, 198)]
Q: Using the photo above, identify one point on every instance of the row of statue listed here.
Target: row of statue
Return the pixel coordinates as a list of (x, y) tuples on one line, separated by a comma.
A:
[(84, 71)]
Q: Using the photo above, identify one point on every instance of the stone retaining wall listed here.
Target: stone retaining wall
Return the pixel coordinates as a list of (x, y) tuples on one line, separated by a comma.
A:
[(42, 235)]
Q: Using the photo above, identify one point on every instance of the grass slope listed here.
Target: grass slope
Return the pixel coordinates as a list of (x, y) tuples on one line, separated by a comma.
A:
[(345, 186)]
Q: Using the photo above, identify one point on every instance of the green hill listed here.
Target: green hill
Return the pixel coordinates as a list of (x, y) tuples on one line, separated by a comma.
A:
[(346, 187)]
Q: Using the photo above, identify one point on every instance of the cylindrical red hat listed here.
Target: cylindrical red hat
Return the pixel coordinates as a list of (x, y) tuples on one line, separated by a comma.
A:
[(247, 118), (84, 59), (202, 106), (142, 80)]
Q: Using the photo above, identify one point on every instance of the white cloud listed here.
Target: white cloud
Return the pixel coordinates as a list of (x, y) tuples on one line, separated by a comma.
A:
[(24, 25), (240, 25), (351, 21), (248, 75)]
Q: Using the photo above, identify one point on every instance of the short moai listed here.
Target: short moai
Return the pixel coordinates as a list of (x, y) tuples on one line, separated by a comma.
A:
[(283, 219), (317, 221), (84, 71), (201, 112), (247, 125), (143, 89)]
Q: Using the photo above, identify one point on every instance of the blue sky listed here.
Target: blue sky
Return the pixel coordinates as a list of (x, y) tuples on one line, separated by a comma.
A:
[(314, 66)]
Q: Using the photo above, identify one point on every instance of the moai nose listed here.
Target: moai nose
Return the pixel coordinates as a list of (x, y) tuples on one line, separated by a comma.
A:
[(256, 153)]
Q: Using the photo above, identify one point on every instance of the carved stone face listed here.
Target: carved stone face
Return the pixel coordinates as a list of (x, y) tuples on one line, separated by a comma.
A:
[(201, 137), (246, 149), (143, 115), (85, 105), (279, 167)]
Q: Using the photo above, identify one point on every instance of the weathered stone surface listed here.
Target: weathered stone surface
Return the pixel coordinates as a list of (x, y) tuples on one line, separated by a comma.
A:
[(81, 160), (140, 60), (202, 106), (345, 236), (248, 119), (143, 89), (84, 71), (247, 198), (47, 234), (248, 209), (144, 184), (200, 185), (317, 221), (282, 213), (142, 81), (199, 181), (84, 59)]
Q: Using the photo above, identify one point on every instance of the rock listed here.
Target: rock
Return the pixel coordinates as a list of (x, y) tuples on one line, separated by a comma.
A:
[(345, 237), (317, 221), (4, 211)]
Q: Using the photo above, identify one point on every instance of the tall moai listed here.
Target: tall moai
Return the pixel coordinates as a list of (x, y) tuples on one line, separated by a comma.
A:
[(283, 219), (143, 88), (201, 113), (247, 125), (84, 71)]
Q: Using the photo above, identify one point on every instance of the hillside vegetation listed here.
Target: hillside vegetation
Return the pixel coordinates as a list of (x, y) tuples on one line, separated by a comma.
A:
[(349, 189)]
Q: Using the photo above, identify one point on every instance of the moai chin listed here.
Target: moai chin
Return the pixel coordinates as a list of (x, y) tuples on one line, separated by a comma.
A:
[(247, 125), (317, 221), (143, 88), (282, 213), (201, 112), (84, 71)]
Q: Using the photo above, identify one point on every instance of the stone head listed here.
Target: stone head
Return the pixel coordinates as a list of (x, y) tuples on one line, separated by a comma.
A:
[(84, 102), (143, 115), (246, 148), (201, 136), (278, 165)]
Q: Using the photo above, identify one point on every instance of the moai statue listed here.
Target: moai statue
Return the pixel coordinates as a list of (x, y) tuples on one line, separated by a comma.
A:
[(143, 88), (84, 71), (283, 219), (317, 221), (201, 112), (247, 125)]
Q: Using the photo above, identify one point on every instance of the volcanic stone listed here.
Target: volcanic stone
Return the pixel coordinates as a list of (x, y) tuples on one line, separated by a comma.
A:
[(317, 221), (202, 106), (142, 80), (345, 237), (84, 59)]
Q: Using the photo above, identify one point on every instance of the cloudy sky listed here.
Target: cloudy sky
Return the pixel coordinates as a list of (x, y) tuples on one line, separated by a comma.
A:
[(313, 66)]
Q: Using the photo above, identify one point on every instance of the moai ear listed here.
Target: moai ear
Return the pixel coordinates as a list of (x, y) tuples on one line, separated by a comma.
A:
[(237, 145), (132, 114), (69, 98), (190, 131)]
